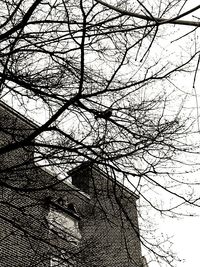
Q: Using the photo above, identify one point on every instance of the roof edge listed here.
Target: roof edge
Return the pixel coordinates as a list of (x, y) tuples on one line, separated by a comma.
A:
[(94, 166), (19, 115)]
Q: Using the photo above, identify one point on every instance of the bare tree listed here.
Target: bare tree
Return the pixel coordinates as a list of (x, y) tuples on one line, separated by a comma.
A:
[(102, 74)]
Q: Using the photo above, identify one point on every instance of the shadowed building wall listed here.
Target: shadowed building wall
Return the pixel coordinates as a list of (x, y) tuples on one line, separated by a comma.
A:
[(48, 222)]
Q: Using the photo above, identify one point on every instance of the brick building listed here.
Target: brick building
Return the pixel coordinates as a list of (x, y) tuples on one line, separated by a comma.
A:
[(46, 221)]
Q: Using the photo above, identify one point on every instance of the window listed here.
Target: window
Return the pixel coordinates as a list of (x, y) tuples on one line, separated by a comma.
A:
[(65, 222), (57, 262)]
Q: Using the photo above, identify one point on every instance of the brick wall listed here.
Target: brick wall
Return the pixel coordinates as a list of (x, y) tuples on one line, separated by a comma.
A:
[(107, 211)]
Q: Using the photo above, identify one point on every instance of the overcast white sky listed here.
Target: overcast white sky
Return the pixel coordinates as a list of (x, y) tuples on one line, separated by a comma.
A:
[(185, 232), (186, 240)]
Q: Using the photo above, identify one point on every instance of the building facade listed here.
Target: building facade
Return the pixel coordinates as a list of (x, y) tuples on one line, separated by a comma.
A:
[(46, 221)]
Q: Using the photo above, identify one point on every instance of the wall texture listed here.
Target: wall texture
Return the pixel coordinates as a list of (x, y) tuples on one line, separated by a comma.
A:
[(104, 211)]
